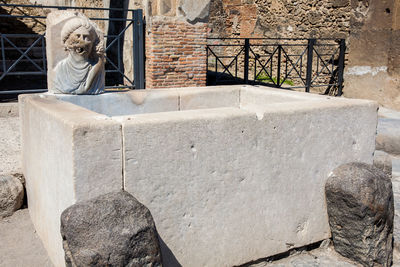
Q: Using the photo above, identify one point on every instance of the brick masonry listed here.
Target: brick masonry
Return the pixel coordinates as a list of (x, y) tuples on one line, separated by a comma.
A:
[(175, 54)]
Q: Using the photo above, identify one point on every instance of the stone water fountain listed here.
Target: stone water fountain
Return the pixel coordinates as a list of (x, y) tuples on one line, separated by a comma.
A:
[(230, 174), (82, 70)]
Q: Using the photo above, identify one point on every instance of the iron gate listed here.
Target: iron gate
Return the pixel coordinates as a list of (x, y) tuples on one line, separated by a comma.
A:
[(23, 54), (282, 62)]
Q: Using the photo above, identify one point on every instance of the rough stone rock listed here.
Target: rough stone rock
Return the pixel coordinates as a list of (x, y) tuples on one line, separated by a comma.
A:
[(113, 229), (360, 208), (383, 161), (20, 177), (11, 195)]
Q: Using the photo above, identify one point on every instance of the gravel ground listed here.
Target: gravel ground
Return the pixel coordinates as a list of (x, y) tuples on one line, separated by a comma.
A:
[(19, 244), (10, 145)]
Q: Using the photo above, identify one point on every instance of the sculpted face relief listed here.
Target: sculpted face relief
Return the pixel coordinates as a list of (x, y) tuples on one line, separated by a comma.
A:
[(82, 71), (80, 43)]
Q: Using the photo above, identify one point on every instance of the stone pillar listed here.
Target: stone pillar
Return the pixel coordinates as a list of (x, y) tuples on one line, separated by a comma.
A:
[(176, 33)]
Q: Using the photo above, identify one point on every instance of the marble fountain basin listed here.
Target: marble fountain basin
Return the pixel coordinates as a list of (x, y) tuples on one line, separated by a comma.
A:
[(230, 174)]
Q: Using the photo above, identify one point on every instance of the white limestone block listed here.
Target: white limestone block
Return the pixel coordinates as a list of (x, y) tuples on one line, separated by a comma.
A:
[(69, 154), (244, 186), (230, 174)]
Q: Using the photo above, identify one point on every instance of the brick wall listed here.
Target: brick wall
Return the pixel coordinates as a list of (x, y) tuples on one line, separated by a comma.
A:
[(175, 54)]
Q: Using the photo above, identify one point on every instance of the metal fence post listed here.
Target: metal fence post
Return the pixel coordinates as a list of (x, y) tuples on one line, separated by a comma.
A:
[(341, 66), (246, 60), (207, 82), (138, 49), (310, 51), (3, 55), (278, 76)]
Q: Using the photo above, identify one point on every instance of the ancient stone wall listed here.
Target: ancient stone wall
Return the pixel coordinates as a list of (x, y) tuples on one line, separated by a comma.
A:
[(280, 18), (22, 25), (79, 3), (371, 29)]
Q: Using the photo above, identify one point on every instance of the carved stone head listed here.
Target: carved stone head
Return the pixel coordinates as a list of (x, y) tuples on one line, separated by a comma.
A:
[(81, 69), (79, 37)]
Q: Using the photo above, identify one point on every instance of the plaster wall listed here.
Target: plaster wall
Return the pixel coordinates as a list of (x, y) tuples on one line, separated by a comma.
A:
[(372, 71), (237, 169)]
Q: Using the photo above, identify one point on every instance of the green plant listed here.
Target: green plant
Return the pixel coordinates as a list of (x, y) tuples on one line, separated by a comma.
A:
[(265, 78)]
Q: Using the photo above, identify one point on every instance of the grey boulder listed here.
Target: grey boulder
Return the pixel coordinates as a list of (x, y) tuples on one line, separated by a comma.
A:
[(11, 195), (113, 229), (360, 209)]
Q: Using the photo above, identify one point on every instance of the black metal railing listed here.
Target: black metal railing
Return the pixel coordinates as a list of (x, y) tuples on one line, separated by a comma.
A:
[(281, 63), (23, 54)]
